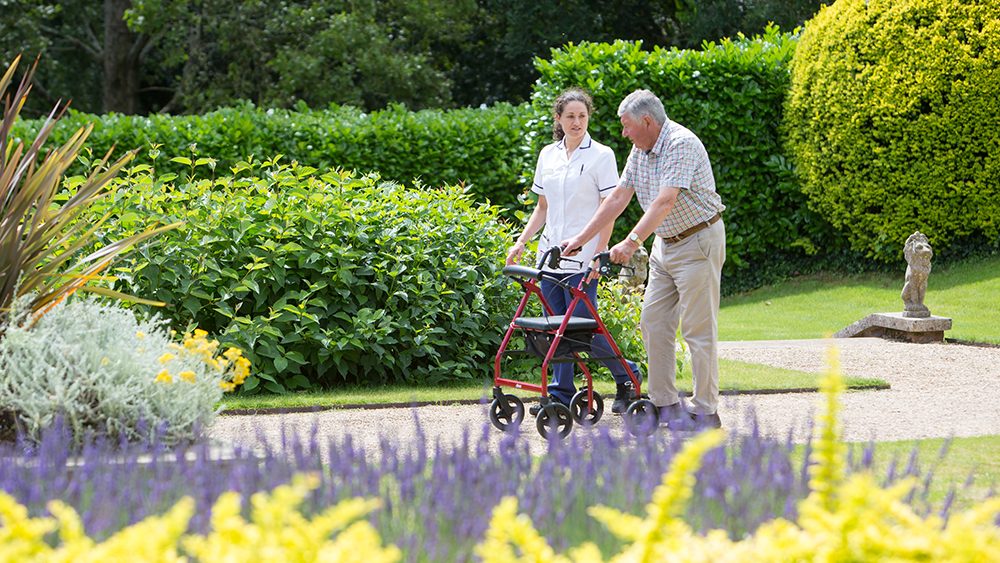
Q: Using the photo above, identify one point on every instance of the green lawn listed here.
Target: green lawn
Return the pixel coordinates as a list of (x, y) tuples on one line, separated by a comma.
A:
[(976, 456), (817, 306)]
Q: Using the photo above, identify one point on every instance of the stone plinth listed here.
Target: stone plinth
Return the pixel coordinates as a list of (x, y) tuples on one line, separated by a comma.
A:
[(894, 326)]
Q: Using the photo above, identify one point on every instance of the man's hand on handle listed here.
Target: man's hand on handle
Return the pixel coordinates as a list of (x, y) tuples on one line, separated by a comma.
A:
[(622, 252)]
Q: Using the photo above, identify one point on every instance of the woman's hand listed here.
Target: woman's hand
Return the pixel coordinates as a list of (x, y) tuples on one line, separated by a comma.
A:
[(595, 270), (514, 253)]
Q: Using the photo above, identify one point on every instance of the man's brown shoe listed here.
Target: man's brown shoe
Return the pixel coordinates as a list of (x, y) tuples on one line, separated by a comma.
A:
[(670, 412), (695, 422)]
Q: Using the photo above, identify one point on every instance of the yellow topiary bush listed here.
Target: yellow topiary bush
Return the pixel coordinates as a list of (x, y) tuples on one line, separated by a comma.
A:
[(893, 123)]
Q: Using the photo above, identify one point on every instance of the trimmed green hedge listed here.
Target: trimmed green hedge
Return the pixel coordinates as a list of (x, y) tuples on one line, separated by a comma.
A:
[(321, 278), (482, 148), (730, 94), (893, 121)]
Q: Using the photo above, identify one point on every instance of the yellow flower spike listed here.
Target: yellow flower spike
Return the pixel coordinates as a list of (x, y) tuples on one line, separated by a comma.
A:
[(22, 537), (973, 535), (226, 386), (187, 375), (670, 498), (154, 539), (510, 533), (230, 534), (586, 552), (278, 531), (70, 527), (74, 544), (622, 525), (231, 354), (359, 543), (140, 334), (496, 547), (828, 464), (164, 377), (200, 334), (166, 357)]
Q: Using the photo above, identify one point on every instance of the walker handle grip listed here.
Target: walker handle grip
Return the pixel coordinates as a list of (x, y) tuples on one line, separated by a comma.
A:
[(523, 272)]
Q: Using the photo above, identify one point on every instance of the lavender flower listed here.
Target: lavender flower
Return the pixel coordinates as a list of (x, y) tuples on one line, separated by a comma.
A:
[(437, 498)]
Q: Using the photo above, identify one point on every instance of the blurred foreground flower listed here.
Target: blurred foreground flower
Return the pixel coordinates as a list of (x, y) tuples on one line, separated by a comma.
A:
[(841, 520)]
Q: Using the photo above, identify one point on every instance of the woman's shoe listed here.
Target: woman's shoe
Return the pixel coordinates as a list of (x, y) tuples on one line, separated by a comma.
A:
[(624, 395)]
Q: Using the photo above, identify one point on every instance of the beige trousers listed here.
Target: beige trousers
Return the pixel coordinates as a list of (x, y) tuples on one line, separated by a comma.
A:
[(683, 287)]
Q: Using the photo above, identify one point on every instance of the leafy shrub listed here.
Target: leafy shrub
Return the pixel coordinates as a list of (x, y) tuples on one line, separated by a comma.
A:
[(481, 147), (99, 370), (37, 220), (892, 121), (323, 278), (730, 94), (620, 306)]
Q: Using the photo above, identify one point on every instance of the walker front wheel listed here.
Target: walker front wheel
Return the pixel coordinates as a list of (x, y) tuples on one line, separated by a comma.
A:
[(640, 418), (583, 413), (554, 417), (507, 413)]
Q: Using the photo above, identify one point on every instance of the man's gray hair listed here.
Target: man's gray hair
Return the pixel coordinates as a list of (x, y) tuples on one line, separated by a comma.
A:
[(643, 102)]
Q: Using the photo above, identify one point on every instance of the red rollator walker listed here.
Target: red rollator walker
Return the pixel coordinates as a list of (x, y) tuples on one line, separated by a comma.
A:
[(561, 339)]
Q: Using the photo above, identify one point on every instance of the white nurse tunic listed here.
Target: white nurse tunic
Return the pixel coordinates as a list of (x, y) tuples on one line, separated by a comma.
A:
[(573, 188)]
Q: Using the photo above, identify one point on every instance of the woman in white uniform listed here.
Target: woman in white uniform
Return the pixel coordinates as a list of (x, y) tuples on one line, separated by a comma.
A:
[(572, 176)]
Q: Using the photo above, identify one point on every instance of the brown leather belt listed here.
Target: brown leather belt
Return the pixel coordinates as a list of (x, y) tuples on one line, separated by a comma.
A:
[(685, 234)]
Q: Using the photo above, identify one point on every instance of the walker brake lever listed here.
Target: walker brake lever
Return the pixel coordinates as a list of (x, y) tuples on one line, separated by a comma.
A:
[(555, 257), (605, 265)]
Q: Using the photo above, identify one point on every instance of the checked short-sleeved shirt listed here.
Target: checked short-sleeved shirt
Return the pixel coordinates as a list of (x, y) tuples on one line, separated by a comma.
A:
[(678, 159)]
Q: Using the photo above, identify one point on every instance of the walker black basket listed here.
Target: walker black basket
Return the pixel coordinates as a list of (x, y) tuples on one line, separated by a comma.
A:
[(538, 343)]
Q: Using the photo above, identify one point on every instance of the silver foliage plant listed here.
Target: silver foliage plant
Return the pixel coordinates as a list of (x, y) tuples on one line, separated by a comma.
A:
[(102, 371)]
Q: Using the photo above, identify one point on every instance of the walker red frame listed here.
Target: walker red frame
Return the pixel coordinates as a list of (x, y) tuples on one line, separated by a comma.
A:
[(529, 279)]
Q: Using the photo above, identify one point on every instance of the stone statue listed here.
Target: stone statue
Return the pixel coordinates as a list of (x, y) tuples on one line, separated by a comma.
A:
[(638, 268), (918, 253)]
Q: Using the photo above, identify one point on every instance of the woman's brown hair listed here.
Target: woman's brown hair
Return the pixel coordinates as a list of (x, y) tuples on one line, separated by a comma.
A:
[(570, 95)]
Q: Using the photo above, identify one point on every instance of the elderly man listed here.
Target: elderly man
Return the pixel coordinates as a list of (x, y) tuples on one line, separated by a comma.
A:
[(669, 171)]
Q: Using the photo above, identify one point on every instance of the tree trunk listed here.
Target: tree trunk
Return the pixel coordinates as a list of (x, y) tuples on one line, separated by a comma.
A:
[(121, 60)]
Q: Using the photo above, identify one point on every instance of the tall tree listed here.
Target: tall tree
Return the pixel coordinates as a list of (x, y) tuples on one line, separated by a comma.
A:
[(92, 53), (121, 55), (496, 63), (137, 56)]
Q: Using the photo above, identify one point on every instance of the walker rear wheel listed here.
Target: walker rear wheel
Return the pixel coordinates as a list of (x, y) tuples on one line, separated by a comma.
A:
[(506, 414), (583, 413), (554, 417)]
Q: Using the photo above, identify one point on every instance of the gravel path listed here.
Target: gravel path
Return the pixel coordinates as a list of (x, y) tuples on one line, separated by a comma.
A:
[(937, 390)]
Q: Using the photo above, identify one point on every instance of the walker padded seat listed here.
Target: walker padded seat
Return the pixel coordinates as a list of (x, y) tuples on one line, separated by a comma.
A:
[(553, 322)]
